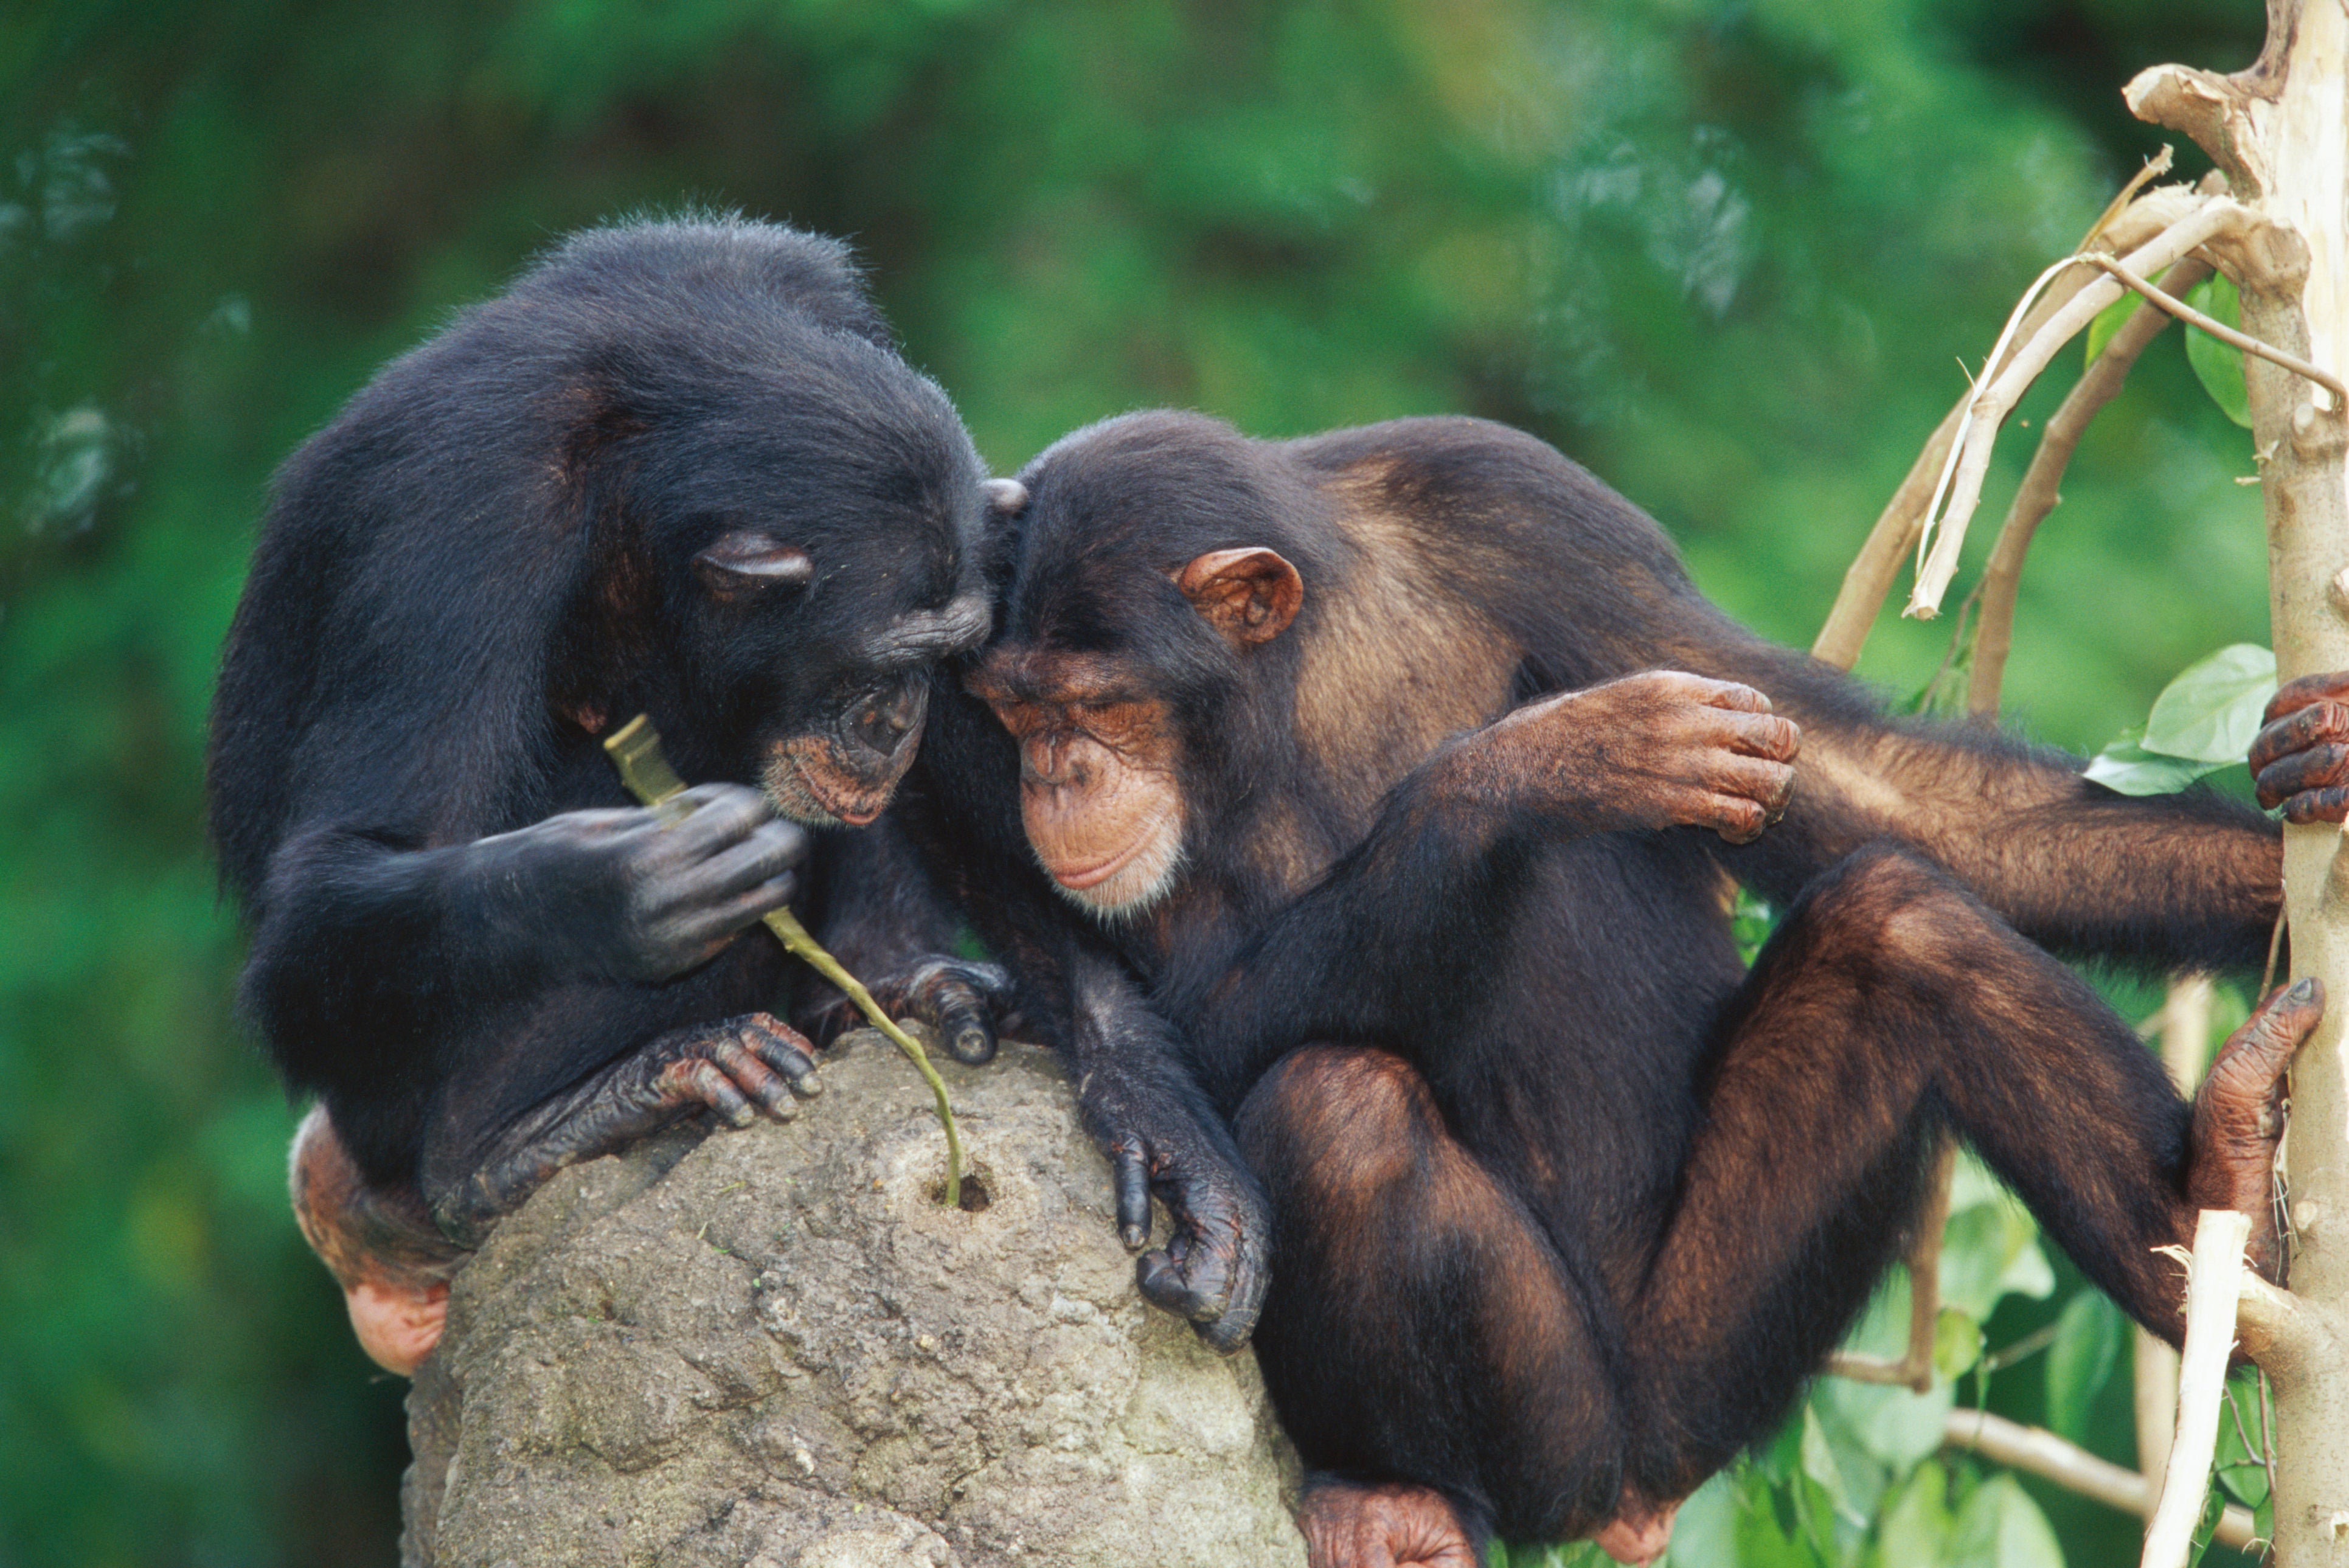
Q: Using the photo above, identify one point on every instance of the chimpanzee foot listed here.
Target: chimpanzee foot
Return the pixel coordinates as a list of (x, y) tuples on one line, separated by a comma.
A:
[(380, 1245), (1393, 1525), (734, 1069), (1639, 1530), (2238, 1117)]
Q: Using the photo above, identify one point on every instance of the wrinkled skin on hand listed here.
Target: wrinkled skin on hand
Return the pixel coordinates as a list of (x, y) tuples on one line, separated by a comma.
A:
[(735, 1069), (1390, 1525), (964, 1004), (2300, 759), (1661, 749), (2238, 1117), (1214, 1266), (651, 900)]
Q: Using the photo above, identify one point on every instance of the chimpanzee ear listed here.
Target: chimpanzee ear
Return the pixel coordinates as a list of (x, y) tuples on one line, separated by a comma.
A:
[(746, 561), (1249, 596)]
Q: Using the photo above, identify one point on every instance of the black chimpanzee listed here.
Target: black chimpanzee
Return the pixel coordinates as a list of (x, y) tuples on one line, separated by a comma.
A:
[(1378, 762), (678, 468)]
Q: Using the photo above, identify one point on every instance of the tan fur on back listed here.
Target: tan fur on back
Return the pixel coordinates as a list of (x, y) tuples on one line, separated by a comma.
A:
[(1390, 669)]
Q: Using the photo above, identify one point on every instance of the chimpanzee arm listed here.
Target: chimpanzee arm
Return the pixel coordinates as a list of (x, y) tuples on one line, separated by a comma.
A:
[(369, 953), (2190, 880)]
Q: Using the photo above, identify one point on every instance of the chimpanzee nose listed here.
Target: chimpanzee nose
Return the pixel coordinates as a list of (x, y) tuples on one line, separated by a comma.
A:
[(882, 721)]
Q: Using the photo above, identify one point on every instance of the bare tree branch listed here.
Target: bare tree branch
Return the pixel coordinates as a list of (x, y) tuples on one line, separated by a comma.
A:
[(2222, 332), (2039, 493), (1914, 1367), (1960, 491), (1898, 527), (2213, 1287), (2038, 1451)]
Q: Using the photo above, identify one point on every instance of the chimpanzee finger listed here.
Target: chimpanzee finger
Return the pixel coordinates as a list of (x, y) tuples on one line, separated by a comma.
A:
[(1733, 695), (2298, 772), (1737, 819), (774, 846), (1195, 1288), (1243, 1305), (2296, 695), (697, 1078), (749, 1073), (2238, 1112), (1761, 735), (718, 922), (1131, 1175), (1770, 785), (2318, 806), (2297, 731), (786, 1050), (722, 814)]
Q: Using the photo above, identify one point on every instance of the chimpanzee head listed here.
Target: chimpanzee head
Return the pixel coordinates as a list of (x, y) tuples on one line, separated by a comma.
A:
[(779, 517), (1141, 662), (676, 468)]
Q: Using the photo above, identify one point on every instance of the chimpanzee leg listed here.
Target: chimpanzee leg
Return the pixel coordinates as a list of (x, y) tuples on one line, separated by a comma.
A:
[(379, 1242), (1420, 1324), (1892, 1000)]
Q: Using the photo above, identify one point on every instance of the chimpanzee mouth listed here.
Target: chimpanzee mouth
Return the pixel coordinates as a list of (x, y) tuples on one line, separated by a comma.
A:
[(804, 781), (1128, 882)]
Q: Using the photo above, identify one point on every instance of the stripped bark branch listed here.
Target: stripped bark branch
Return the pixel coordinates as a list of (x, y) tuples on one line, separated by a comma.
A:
[(2222, 331), (2213, 1285), (1960, 491), (2184, 1024)]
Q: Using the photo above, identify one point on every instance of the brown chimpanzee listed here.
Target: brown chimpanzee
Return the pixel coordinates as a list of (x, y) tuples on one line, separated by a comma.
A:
[(678, 468), (1378, 762)]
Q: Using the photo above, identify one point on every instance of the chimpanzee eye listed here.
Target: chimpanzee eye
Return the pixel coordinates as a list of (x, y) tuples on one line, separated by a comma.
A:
[(749, 559)]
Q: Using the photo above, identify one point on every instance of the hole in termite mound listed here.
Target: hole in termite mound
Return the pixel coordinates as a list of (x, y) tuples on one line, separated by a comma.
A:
[(975, 1197)]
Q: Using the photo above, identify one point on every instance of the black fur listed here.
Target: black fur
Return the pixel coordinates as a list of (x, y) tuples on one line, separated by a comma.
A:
[(486, 559)]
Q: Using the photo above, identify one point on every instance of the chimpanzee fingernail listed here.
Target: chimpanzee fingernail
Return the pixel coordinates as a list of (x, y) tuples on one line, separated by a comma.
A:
[(2304, 992)]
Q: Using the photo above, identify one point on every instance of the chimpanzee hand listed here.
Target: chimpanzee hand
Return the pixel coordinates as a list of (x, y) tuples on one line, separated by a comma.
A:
[(1658, 749), (735, 1069), (621, 895), (1213, 1270), (2302, 759), (960, 1001), (2238, 1116)]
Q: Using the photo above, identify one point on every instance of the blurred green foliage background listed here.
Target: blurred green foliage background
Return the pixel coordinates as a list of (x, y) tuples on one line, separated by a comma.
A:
[(1730, 255)]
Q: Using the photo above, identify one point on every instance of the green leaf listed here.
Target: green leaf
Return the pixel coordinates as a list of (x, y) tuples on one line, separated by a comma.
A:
[(2219, 366), (1704, 1535), (2087, 1340), (1917, 1526), (2130, 769), (1991, 1248), (2000, 1527), (2108, 322), (2211, 711), (1824, 1465), (2239, 1469), (1957, 1344)]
